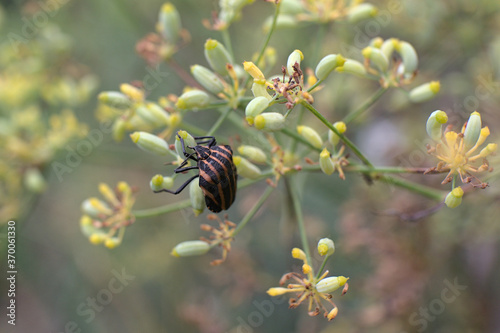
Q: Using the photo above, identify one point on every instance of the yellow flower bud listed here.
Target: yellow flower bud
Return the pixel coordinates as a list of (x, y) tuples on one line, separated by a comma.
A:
[(189, 141), (408, 55), (254, 154), (328, 64), (352, 67), (112, 242), (208, 79), (341, 127), (255, 107), (277, 291), (326, 247), (192, 99), (361, 12), (217, 56), (435, 123), (298, 254), (132, 92), (295, 57), (169, 23), (246, 168), (306, 269), (269, 121), (377, 57), (333, 313), (253, 70), (150, 142), (424, 92), (197, 197), (310, 135), (325, 162), (115, 99), (330, 284), (472, 130), (489, 149), (454, 198)]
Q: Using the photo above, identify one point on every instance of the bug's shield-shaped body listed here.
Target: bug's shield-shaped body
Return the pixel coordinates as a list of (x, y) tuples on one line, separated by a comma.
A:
[(218, 177)]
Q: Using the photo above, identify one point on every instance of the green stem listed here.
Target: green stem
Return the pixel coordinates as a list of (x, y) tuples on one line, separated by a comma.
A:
[(219, 121), (353, 115), (300, 219), (162, 209), (254, 210), (268, 38), (298, 138), (227, 42), (414, 187), (315, 85), (344, 139), (322, 266)]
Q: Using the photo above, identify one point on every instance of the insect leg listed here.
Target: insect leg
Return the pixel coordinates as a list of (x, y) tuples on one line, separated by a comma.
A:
[(180, 169), (187, 155), (179, 190), (211, 142)]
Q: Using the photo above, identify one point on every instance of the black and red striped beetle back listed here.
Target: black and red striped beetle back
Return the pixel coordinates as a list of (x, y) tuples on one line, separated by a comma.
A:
[(217, 172)]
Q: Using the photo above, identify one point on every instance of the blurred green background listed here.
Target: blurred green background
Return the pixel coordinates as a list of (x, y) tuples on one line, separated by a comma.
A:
[(396, 267)]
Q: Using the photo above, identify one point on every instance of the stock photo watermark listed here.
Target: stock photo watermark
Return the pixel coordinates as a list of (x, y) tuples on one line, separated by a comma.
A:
[(420, 319), (103, 297)]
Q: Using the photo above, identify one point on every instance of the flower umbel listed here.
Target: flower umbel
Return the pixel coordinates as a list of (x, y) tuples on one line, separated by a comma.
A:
[(458, 154), (222, 236), (105, 221), (314, 290)]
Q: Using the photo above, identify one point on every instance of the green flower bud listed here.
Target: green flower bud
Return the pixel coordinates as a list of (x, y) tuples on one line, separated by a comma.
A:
[(208, 79), (189, 141), (408, 55), (334, 138), (435, 123), (489, 149), (159, 114), (190, 248), (256, 107), (377, 57), (260, 90), (115, 100), (150, 142), (282, 22), (169, 23), (388, 47), (217, 56), (377, 43), (197, 197), (94, 207), (269, 121), (330, 284), (328, 64), (192, 99), (295, 57), (310, 135), (151, 116), (472, 130), (34, 181), (325, 162), (86, 225), (158, 182), (353, 67), (254, 154), (454, 198), (361, 12), (112, 242), (246, 168), (119, 129), (326, 247), (424, 92)]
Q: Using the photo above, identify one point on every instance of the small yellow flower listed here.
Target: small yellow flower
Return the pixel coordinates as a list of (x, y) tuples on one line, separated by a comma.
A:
[(457, 152), (313, 290), (104, 222)]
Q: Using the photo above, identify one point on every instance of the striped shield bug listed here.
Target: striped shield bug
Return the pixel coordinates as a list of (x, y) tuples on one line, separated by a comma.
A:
[(217, 172)]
